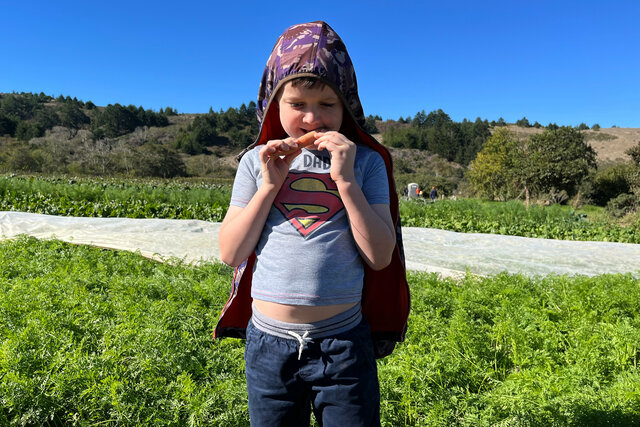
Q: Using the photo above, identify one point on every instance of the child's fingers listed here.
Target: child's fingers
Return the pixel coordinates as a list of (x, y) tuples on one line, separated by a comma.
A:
[(280, 147), (331, 141), (289, 157)]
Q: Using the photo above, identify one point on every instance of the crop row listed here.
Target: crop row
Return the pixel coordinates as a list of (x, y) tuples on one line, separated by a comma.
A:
[(115, 198), (514, 219), (45, 204)]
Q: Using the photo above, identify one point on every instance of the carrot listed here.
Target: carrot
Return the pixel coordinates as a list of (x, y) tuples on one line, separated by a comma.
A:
[(307, 139)]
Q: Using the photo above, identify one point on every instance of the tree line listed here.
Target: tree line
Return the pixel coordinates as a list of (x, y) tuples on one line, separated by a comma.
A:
[(233, 127), (436, 132), (26, 116)]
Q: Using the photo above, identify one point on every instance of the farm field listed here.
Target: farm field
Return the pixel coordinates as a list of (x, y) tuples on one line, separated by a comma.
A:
[(112, 197), (208, 201), (99, 337)]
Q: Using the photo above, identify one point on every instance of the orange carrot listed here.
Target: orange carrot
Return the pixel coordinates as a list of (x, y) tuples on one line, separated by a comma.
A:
[(307, 139)]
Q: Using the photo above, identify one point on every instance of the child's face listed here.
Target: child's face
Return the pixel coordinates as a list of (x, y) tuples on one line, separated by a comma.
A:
[(303, 110)]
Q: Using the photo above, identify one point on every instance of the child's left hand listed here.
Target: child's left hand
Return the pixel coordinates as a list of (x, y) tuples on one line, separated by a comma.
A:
[(343, 154)]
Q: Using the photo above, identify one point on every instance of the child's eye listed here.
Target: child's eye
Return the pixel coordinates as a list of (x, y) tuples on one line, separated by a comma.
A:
[(328, 104), (296, 104)]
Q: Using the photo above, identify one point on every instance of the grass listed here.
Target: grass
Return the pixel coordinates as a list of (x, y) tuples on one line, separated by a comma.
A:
[(98, 337)]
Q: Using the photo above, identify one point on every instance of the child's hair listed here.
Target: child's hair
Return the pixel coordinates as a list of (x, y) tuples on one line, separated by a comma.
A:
[(308, 82)]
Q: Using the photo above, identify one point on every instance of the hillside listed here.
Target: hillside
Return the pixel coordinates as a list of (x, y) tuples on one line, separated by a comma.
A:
[(610, 144), (63, 135)]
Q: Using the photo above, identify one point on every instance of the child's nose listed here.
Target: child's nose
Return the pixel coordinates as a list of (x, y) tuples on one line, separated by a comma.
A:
[(311, 116)]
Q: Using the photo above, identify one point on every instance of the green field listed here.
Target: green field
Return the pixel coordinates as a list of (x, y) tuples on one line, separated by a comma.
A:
[(513, 218), (99, 337), (112, 197), (208, 200)]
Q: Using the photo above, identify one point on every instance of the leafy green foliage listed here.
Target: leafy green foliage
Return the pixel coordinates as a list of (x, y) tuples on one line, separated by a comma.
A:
[(633, 177), (427, 170), (159, 160), (509, 350), (609, 183), (115, 198), (514, 219), (558, 159), (622, 205), (92, 337), (495, 172), (501, 122), (25, 131), (547, 163), (101, 337)]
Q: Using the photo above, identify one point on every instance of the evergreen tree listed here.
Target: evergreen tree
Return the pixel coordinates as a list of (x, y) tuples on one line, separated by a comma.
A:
[(7, 125)]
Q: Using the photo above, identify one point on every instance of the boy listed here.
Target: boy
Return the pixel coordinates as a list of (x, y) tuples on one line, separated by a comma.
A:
[(314, 225)]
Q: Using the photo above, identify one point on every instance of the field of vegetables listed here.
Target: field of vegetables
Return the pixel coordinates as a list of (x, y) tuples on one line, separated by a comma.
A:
[(208, 201), (514, 219), (110, 197), (99, 337)]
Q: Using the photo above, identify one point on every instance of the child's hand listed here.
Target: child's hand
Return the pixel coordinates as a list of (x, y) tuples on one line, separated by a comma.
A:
[(343, 154), (276, 157)]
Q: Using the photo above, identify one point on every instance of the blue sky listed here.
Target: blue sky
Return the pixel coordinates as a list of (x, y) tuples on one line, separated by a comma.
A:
[(552, 61)]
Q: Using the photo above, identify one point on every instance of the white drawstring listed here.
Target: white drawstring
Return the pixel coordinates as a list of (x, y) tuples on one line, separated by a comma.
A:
[(303, 340)]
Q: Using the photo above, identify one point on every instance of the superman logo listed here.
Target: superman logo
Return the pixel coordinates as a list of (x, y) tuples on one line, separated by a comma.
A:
[(308, 200)]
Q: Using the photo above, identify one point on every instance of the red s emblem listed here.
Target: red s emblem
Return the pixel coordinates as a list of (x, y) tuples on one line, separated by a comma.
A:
[(308, 200)]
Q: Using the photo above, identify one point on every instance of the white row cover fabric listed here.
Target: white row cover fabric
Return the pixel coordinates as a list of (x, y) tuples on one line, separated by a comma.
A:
[(445, 252)]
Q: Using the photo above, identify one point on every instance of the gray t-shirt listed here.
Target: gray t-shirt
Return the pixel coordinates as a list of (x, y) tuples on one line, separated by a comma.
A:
[(306, 254)]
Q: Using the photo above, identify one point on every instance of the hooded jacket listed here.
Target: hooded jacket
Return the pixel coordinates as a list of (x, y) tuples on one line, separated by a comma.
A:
[(314, 49)]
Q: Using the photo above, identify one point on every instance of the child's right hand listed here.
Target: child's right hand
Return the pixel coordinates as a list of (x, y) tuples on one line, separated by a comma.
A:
[(276, 157)]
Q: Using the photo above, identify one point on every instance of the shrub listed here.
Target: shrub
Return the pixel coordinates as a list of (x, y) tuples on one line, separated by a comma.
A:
[(608, 184), (622, 205)]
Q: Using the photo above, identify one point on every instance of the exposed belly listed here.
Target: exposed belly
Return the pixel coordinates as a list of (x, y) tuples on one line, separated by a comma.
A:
[(300, 313)]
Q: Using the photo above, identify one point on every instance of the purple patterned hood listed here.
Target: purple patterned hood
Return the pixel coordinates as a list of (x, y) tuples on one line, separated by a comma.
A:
[(310, 49)]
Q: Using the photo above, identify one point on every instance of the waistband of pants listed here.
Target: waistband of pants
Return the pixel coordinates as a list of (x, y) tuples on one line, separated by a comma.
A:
[(337, 324)]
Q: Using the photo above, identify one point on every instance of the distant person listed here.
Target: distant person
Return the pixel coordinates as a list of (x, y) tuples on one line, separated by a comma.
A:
[(311, 338), (433, 194)]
